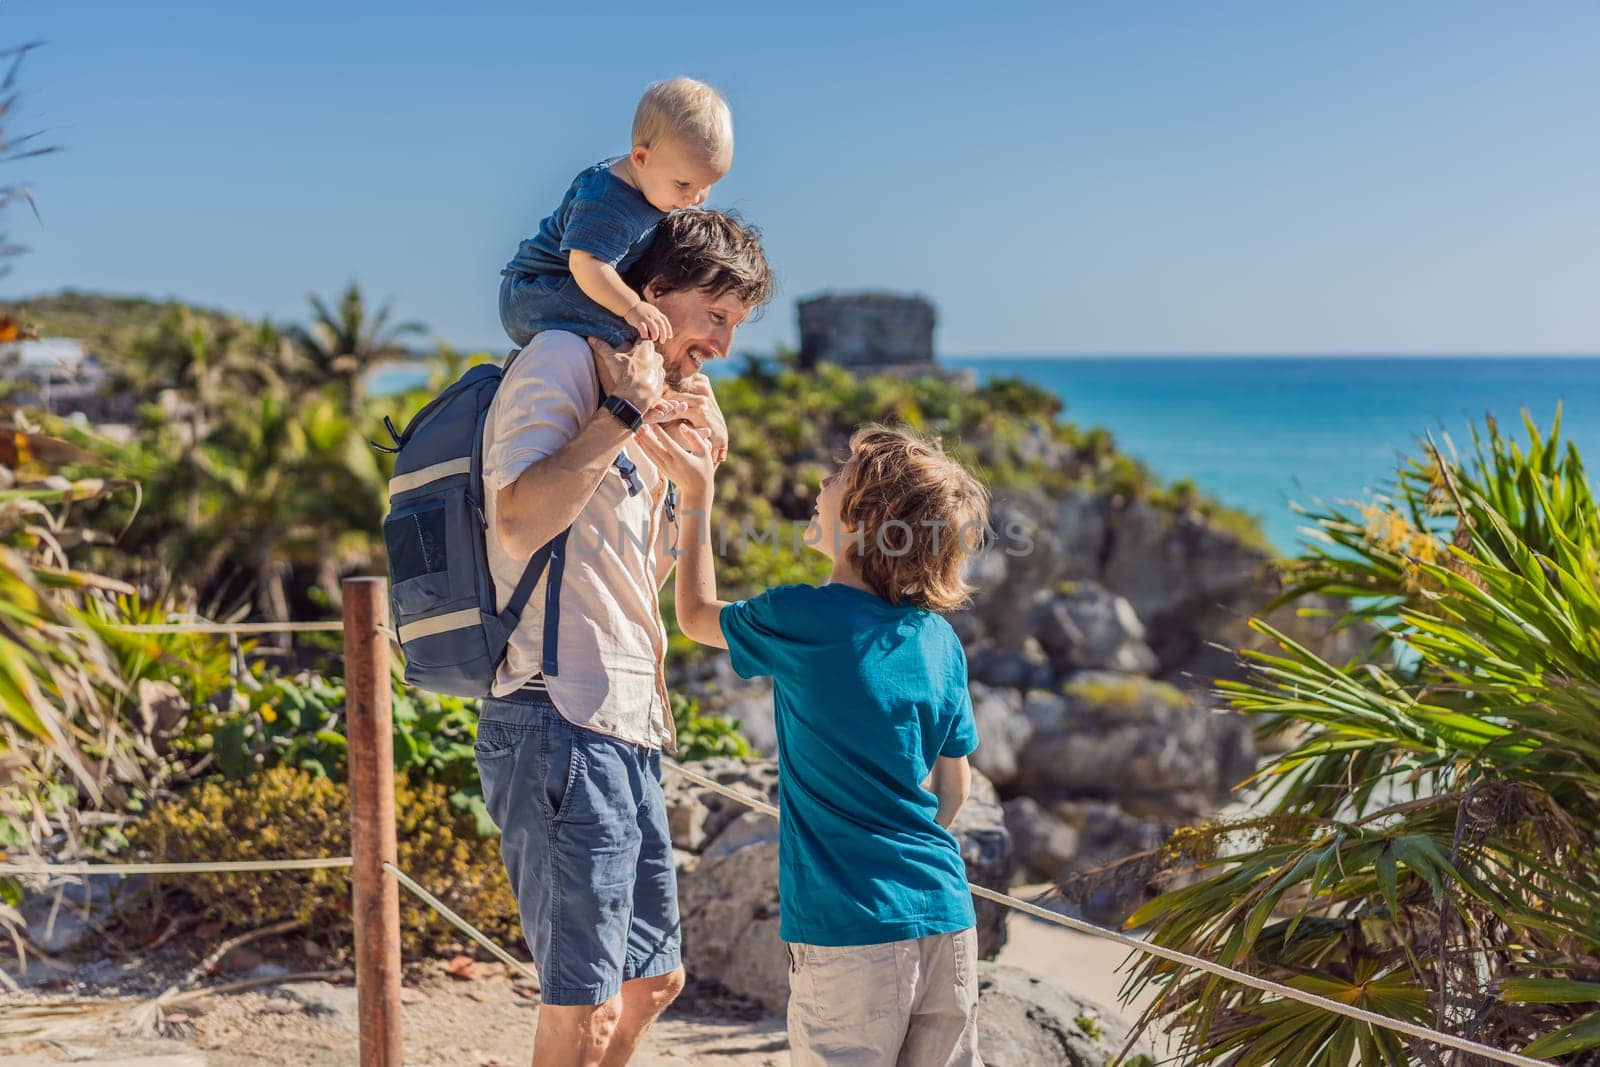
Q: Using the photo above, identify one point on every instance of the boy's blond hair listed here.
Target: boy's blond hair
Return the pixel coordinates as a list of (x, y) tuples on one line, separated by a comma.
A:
[(688, 111), (915, 513)]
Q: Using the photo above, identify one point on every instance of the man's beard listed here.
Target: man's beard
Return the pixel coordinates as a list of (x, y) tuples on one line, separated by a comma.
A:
[(683, 367)]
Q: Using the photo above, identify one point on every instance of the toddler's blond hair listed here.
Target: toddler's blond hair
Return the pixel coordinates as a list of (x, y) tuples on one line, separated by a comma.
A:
[(688, 111)]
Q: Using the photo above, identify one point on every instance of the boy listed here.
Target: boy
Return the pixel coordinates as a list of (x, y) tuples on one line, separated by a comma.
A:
[(870, 694), (568, 276)]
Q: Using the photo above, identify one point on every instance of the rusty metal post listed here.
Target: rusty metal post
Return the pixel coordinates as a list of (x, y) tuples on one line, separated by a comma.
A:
[(372, 832)]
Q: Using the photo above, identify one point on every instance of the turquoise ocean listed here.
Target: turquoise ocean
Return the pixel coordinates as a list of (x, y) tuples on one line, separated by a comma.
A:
[(1259, 432)]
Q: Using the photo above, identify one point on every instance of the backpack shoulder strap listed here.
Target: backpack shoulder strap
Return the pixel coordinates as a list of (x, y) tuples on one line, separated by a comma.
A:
[(524, 590)]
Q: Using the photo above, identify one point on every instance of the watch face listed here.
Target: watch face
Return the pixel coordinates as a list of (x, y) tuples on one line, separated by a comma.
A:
[(625, 412)]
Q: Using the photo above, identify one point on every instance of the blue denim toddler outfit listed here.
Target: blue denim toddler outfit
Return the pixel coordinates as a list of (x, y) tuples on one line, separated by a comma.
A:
[(601, 215)]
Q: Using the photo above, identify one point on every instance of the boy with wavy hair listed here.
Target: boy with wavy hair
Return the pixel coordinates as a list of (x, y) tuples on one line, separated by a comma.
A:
[(568, 276), (871, 706)]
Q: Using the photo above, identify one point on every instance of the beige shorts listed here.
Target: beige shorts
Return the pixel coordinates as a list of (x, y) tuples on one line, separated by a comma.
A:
[(902, 1003)]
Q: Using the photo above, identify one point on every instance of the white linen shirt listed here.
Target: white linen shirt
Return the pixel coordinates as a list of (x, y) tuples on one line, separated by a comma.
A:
[(611, 642)]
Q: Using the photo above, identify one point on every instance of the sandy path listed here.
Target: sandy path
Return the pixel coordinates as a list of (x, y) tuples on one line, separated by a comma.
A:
[(489, 1022), (484, 1023)]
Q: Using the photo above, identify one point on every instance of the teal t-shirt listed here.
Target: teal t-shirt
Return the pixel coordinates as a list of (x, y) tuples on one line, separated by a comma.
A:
[(867, 695)]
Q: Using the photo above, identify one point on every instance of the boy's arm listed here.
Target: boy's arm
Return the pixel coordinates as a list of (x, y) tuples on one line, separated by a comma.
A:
[(952, 784), (683, 455), (699, 610), (601, 283)]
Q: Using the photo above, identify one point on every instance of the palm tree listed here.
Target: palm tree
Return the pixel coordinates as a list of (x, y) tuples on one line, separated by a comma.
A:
[(346, 344), (1431, 848), (286, 482)]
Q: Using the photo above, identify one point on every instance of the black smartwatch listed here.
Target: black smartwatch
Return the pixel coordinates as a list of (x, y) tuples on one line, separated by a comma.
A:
[(626, 413)]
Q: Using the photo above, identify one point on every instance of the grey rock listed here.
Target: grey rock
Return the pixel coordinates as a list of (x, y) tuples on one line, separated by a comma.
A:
[(968, 626), (1025, 667), (1186, 579), (686, 821), (729, 911), (752, 710), (1110, 874), (1030, 555), (1043, 844), (54, 918), (1027, 1021), (1083, 625), (1044, 710), (1002, 732), (1084, 521), (334, 1003), (696, 815), (1140, 742), (751, 828), (986, 569), (1179, 571)]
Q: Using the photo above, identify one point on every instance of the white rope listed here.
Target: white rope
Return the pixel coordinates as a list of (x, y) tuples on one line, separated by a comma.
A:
[(236, 628), (1173, 955), (216, 867), (461, 924), (330, 626)]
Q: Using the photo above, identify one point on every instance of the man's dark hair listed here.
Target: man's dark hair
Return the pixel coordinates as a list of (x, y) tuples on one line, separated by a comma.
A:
[(711, 250)]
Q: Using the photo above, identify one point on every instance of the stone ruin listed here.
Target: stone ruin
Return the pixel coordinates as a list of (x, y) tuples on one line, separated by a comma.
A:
[(867, 330)]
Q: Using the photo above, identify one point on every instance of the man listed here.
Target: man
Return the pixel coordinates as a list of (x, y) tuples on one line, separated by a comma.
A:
[(569, 747)]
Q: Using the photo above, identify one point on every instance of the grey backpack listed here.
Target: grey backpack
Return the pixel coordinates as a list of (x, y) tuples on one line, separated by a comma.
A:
[(441, 593), (440, 589)]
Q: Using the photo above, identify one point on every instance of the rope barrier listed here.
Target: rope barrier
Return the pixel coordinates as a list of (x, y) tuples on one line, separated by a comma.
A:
[(1133, 944), (330, 626), (1170, 954), (756, 803), (461, 924), (217, 867)]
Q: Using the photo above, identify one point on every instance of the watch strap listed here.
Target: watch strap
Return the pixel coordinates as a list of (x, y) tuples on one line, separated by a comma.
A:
[(625, 413)]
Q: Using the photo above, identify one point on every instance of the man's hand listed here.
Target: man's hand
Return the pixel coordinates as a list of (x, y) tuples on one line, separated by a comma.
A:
[(637, 376), (703, 412), (649, 320), (684, 454)]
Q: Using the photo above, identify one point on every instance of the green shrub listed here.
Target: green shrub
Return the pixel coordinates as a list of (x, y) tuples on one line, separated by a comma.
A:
[(704, 736), (1429, 847), (286, 812), (299, 722)]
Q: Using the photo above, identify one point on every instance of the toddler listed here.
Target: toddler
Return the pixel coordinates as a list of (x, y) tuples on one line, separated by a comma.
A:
[(871, 707), (568, 276)]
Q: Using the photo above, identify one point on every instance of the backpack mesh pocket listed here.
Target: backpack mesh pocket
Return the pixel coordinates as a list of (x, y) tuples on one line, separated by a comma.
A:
[(419, 545)]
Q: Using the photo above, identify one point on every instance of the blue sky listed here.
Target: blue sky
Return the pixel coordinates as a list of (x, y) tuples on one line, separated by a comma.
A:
[(1225, 177)]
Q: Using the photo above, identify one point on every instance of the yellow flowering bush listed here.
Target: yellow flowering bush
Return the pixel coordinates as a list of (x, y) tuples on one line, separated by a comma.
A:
[(284, 812)]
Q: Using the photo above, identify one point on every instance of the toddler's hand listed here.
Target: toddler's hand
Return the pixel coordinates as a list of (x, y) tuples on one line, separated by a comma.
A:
[(649, 321)]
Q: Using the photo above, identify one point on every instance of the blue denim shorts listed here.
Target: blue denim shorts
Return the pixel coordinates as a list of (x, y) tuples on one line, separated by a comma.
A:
[(532, 303), (583, 832)]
